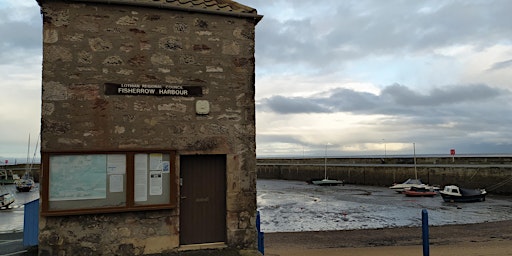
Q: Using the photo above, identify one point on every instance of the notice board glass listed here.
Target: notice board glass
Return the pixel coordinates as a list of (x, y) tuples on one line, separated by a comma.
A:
[(87, 181), (152, 171), (108, 182)]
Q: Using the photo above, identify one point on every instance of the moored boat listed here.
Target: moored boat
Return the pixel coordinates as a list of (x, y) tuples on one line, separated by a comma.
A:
[(420, 191), (400, 187), (6, 197), (327, 182), (25, 184), (452, 193)]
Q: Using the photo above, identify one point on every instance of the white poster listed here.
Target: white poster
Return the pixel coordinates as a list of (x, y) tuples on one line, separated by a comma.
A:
[(116, 164), (155, 183), (116, 183), (141, 178), (155, 161)]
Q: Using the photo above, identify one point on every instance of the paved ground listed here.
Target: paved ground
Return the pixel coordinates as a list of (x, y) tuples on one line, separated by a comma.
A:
[(12, 244)]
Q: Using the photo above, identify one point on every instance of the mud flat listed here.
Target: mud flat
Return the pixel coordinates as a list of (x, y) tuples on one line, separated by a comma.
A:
[(295, 206), (302, 219)]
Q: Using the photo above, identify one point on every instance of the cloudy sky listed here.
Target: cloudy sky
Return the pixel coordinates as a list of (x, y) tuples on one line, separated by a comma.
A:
[(362, 77)]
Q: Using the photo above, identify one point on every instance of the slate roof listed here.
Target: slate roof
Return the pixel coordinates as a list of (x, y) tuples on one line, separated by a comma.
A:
[(222, 7)]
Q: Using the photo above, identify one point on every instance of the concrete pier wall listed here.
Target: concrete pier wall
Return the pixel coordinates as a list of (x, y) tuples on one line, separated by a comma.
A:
[(492, 173)]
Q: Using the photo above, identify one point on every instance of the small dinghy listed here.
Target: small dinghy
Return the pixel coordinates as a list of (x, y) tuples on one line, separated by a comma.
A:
[(420, 191)]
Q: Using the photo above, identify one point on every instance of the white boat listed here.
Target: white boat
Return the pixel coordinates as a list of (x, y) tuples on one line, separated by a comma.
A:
[(326, 181), (406, 185), (6, 197), (26, 183), (400, 187)]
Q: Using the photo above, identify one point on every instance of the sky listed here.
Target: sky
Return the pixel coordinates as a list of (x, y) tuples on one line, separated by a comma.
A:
[(333, 78)]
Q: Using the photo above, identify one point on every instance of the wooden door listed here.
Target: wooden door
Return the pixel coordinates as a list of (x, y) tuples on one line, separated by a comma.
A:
[(203, 199)]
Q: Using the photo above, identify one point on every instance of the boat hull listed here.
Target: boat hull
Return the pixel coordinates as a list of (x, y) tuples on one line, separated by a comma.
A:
[(472, 198), (24, 189), (6, 200), (418, 194), (24, 185), (327, 182)]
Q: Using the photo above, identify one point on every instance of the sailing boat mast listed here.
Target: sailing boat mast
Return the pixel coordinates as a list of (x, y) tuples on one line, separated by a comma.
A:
[(325, 162), (415, 170), (35, 151), (27, 163)]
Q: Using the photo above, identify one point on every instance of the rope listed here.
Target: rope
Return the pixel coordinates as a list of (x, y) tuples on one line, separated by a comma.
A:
[(499, 184)]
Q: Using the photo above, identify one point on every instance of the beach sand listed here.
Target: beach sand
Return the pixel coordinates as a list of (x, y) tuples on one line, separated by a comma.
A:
[(483, 239)]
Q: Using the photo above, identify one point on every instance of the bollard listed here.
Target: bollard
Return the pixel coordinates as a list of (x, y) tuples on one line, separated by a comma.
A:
[(261, 238), (424, 233)]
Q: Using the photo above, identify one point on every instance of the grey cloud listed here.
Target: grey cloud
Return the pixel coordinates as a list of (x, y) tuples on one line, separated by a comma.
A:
[(501, 65), (395, 100), (349, 100), (361, 28), (440, 96), (292, 105), (19, 38)]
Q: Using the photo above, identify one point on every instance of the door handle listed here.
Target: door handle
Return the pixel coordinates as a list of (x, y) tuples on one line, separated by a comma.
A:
[(183, 197)]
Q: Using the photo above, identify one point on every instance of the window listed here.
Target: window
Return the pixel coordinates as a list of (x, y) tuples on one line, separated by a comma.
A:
[(97, 182)]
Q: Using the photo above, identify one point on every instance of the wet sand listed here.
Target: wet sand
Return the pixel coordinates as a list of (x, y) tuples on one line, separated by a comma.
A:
[(294, 206)]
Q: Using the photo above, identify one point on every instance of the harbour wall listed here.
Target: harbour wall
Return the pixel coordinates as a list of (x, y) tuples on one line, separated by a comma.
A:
[(20, 169), (494, 173)]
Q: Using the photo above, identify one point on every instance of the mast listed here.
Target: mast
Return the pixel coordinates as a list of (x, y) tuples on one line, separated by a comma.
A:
[(325, 163), (27, 163), (415, 170)]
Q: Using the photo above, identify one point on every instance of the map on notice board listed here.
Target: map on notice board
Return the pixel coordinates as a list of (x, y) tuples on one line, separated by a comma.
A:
[(78, 177)]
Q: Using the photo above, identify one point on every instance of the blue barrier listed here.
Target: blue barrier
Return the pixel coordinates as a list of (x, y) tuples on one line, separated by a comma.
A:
[(31, 223), (424, 232), (261, 244)]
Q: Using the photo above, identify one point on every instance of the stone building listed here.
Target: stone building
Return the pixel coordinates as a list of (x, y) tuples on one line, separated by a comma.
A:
[(148, 127)]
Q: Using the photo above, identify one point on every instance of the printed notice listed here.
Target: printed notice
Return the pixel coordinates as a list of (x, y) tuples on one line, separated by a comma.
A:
[(141, 178), (166, 166), (155, 183), (116, 183), (155, 161), (116, 164)]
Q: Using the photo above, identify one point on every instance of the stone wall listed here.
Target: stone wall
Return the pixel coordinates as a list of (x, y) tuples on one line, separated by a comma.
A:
[(492, 173), (86, 45)]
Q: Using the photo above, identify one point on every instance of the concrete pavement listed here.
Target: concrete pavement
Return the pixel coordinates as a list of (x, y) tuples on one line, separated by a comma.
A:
[(12, 244)]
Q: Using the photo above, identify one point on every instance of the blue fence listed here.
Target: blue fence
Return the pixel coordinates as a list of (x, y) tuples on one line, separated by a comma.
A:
[(31, 223)]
